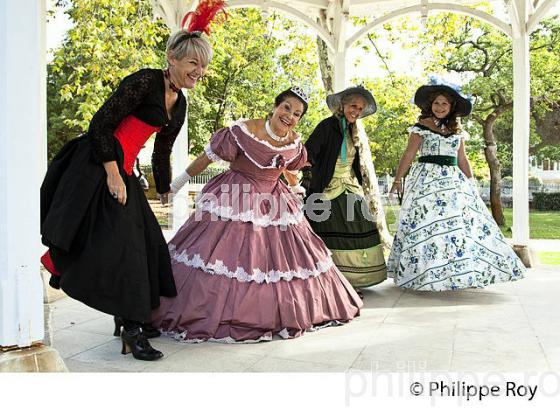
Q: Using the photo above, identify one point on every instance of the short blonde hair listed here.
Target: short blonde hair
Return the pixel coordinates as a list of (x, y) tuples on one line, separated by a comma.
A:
[(185, 44)]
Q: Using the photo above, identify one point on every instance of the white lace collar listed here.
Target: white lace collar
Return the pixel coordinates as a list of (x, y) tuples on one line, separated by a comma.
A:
[(241, 124)]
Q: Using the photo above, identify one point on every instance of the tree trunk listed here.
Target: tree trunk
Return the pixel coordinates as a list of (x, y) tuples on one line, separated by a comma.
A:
[(222, 107), (490, 152), (325, 65)]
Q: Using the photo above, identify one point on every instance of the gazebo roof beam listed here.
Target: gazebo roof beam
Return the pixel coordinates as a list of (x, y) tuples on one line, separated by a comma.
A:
[(320, 4), (354, 3), (431, 6), (308, 11), (367, 8), (288, 9), (531, 6), (542, 8)]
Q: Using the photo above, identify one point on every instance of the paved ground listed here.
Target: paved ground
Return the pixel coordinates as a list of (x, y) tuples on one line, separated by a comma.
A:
[(506, 327), (545, 245)]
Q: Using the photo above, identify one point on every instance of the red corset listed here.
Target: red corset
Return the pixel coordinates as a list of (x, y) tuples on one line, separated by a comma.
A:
[(132, 134)]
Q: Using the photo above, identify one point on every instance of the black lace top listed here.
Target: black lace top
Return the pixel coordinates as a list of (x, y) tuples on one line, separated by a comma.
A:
[(141, 94)]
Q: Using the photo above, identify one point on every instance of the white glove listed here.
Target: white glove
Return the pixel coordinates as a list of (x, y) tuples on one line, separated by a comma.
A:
[(180, 182)]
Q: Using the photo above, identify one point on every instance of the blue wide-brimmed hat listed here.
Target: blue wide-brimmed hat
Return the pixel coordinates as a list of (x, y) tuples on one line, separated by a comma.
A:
[(334, 100), (463, 104)]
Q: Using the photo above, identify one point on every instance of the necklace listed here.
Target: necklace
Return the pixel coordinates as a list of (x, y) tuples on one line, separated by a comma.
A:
[(273, 135), (171, 84)]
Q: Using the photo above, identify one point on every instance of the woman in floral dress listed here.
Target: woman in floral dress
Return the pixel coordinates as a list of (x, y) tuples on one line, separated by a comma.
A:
[(446, 238), (246, 264)]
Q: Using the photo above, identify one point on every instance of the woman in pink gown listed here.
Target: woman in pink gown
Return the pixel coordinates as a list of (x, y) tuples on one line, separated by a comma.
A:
[(246, 264)]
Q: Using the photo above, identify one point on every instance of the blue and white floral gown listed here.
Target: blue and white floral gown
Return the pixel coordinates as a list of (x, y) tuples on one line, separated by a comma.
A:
[(446, 237)]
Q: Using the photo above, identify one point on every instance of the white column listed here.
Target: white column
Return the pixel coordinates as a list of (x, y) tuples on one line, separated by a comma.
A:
[(22, 165), (339, 71), (521, 121), (339, 58), (180, 163)]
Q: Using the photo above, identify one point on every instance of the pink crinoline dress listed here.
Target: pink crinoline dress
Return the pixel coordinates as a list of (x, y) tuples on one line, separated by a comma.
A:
[(246, 264)]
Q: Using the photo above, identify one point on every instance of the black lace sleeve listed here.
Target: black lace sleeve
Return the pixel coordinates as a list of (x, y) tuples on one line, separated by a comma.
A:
[(161, 165), (125, 99)]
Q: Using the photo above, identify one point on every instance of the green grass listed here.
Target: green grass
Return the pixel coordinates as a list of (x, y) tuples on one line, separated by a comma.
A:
[(542, 224), (549, 258), (391, 213), (163, 221)]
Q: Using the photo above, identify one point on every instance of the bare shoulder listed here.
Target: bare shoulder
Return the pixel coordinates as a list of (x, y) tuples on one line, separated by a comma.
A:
[(254, 125), (414, 141)]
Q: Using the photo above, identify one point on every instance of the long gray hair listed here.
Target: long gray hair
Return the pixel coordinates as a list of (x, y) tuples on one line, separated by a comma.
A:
[(339, 112)]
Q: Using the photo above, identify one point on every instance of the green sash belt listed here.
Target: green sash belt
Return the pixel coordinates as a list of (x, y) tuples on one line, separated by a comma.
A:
[(439, 159)]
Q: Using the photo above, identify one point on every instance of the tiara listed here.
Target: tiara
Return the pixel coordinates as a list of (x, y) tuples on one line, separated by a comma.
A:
[(300, 93)]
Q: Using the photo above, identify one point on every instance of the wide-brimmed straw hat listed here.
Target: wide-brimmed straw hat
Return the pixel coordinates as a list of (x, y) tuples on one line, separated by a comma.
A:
[(334, 100), (463, 104)]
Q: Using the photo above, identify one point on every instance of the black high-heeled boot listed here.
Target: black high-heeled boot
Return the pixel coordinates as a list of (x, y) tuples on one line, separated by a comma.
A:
[(134, 341), (149, 331)]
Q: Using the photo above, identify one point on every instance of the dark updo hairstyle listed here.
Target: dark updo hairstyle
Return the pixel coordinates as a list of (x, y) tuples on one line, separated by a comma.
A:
[(451, 121), (280, 98)]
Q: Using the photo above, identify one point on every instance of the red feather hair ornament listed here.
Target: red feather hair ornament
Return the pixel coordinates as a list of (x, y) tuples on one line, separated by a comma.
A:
[(200, 19)]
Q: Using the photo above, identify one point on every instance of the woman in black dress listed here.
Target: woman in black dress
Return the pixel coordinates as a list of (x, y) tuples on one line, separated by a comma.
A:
[(106, 248)]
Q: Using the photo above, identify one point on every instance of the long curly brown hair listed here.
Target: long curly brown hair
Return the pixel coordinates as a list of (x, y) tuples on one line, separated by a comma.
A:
[(452, 122)]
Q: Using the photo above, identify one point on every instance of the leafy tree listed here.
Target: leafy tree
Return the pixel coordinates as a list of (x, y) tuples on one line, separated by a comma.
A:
[(107, 41), (483, 56), (255, 58), (387, 129)]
